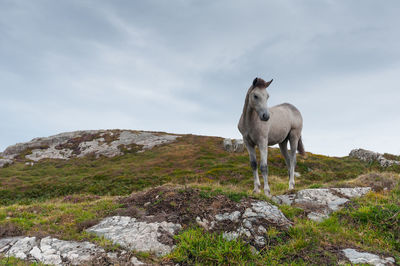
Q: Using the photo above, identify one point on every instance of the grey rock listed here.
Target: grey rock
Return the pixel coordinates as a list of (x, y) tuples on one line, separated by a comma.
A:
[(136, 235), (235, 145), (95, 143), (228, 145), (370, 156), (7, 243), (318, 216), (230, 235), (321, 202), (203, 223), (354, 192), (356, 257), (260, 240), (248, 223), (320, 197), (238, 145), (267, 211), (21, 248), (284, 199), (51, 250), (135, 261), (4, 162), (234, 216)]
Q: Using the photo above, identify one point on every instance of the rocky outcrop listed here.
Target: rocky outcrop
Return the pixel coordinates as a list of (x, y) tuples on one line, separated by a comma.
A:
[(4, 162), (357, 257), (108, 143), (136, 235), (53, 251), (370, 156), (320, 202), (251, 224), (235, 145)]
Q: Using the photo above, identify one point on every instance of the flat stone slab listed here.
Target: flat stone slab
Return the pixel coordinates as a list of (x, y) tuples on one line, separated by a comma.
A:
[(357, 257), (135, 235), (53, 251), (320, 202)]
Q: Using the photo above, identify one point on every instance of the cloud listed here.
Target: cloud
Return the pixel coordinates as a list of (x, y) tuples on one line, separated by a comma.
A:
[(184, 66)]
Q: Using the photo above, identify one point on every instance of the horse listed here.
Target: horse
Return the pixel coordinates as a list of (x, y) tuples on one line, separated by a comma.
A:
[(262, 127)]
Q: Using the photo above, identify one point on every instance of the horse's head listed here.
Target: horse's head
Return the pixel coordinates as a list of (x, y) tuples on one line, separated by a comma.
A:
[(258, 97)]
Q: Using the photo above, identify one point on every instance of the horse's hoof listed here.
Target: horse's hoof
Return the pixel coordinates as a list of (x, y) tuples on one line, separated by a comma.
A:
[(268, 194), (291, 187), (256, 190)]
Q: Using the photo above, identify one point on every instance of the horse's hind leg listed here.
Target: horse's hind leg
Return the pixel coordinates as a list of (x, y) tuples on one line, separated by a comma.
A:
[(294, 140), (285, 153), (253, 162)]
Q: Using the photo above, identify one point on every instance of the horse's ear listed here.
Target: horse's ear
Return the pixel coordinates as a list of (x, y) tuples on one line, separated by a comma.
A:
[(255, 81), (259, 82), (269, 83)]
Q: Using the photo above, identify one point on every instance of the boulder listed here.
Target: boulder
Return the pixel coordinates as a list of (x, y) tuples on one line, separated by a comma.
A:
[(228, 145), (235, 145), (238, 145), (250, 223), (320, 202), (357, 257)]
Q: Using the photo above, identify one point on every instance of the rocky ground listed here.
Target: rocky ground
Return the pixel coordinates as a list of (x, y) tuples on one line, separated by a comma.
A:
[(148, 221)]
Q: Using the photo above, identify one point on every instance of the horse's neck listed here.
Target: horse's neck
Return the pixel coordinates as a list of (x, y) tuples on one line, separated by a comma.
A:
[(248, 112)]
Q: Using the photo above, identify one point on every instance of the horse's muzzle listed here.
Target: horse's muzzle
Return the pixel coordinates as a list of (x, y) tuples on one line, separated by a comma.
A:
[(264, 117)]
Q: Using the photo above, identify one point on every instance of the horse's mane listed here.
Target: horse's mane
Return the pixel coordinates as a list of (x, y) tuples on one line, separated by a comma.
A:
[(246, 101)]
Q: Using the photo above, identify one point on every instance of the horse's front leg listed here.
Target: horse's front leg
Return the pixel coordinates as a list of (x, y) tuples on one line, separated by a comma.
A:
[(264, 168), (253, 162)]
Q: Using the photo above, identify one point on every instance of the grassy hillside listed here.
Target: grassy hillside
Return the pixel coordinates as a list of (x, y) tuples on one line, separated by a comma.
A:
[(61, 198)]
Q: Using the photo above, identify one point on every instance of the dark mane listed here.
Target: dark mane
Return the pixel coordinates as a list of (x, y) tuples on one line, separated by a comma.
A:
[(260, 83)]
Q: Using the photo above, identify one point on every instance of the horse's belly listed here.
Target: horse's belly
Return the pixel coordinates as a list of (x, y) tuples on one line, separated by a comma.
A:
[(277, 136)]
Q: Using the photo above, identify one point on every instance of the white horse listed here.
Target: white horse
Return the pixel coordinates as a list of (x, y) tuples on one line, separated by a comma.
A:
[(263, 126)]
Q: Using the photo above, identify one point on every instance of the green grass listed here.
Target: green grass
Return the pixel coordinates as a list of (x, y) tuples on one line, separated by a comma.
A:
[(59, 218), (197, 247), (369, 224), (11, 261), (190, 159)]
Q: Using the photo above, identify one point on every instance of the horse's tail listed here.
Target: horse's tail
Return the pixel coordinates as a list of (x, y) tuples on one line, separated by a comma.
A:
[(300, 148)]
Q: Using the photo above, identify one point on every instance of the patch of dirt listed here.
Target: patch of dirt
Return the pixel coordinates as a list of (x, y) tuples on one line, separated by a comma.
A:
[(183, 206), (8, 230), (176, 205)]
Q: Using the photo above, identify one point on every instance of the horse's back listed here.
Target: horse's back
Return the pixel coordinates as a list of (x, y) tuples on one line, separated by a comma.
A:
[(289, 113), (285, 118)]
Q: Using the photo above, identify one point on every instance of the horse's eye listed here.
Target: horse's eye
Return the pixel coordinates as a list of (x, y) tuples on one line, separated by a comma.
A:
[(255, 97)]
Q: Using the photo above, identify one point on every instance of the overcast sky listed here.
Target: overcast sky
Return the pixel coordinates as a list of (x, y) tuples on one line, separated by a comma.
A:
[(185, 66)]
